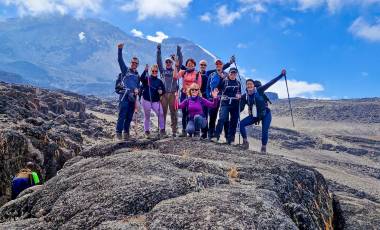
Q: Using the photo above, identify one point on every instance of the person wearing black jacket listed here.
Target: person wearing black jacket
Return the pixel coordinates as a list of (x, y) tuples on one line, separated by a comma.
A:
[(229, 105), (255, 96), (152, 89)]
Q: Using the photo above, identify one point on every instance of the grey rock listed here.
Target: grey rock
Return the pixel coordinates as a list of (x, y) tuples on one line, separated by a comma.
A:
[(175, 184)]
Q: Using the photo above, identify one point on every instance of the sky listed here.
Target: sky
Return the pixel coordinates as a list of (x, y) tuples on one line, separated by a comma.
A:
[(330, 48)]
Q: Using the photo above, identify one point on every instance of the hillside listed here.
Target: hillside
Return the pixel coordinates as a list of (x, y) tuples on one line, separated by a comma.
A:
[(48, 52)]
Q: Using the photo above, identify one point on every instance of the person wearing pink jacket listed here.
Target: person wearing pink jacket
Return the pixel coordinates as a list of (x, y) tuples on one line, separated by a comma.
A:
[(189, 76)]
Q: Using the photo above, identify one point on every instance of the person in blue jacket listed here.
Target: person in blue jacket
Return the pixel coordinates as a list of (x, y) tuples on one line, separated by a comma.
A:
[(127, 86), (229, 105), (214, 77), (255, 96), (25, 178)]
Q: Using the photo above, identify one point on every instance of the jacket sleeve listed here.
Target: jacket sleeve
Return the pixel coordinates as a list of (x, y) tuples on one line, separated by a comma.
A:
[(162, 86), (179, 74), (199, 82), (159, 61), (208, 72), (226, 66), (263, 88), (243, 102), (120, 59), (143, 78), (220, 85), (210, 104), (183, 104), (180, 57)]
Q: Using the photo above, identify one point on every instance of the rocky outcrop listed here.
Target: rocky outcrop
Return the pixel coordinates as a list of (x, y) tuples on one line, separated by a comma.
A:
[(46, 127), (175, 184)]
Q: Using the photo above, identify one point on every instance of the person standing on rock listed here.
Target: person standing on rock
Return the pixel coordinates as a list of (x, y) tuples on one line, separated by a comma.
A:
[(127, 86), (189, 76), (229, 105), (171, 86), (205, 78), (194, 104), (26, 177), (255, 96), (153, 89), (214, 77)]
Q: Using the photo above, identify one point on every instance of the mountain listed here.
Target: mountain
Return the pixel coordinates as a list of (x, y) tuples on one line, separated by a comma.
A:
[(77, 54)]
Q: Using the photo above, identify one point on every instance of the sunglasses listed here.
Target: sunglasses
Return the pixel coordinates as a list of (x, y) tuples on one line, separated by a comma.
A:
[(168, 62), (154, 71), (219, 63), (194, 89), (135, 62), (203, 65)]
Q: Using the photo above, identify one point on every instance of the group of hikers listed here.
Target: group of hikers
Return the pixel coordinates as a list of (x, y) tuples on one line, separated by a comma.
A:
[(202, 96)]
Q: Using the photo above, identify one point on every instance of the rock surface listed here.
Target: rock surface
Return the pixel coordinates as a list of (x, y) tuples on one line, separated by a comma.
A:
[(175, 184), (46, 127)]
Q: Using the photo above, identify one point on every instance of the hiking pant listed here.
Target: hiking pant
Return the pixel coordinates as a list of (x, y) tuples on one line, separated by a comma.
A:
[(168, 101), (126, 110), (224, 113), (205, 129), (196, 124), (213, 114), (250, 120), (184, 112), (157, 108)]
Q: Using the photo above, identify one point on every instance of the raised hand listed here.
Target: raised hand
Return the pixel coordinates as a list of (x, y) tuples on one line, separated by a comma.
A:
[(120, 46), (146, 67), (233, 59), (214, 93), (179, 48), (238, 96), (159, 46), (283, 72)]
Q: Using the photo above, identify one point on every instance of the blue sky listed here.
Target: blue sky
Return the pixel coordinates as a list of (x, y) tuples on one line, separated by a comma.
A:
[(329, 47)]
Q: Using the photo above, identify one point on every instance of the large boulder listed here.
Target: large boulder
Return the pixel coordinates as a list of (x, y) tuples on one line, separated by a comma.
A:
[(175, 184)]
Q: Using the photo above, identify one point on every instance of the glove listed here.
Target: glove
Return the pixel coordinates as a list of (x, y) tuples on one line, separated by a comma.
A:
[(120, 46), (283, 72), (120, 87), (159, 46), (232, 60), (179, 48)]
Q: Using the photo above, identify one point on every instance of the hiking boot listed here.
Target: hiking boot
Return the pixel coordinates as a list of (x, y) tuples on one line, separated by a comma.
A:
[(183, 134), (125, 136), (147, 134), (163, 133), (119, 136), (197, 135), (174, 134), (263, 149), (245, 144)]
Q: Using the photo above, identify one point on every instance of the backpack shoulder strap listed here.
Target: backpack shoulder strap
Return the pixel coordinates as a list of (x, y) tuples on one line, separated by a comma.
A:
[(266, 98)]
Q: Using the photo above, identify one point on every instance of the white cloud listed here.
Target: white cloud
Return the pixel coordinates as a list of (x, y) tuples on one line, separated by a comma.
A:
[(225, 17), (296, 89), (137, 33), (362, 29), (286, 22), (156, 8), (242, 46), (160, 36), (38, 7), (81, 36), (364, 74), (205, 17)]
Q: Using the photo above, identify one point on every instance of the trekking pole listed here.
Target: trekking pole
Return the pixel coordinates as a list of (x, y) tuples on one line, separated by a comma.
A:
[(239, 100), (290, 105), (150, 94), (159, 113)]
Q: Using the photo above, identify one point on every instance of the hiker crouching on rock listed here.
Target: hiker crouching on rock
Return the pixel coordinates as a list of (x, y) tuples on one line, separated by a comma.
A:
[(171, 86), (153, 89), (255, 96), (229, 105), (26, 177), (197, 119), (127, 86), (189, 77)]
